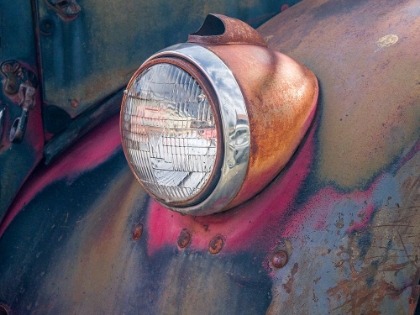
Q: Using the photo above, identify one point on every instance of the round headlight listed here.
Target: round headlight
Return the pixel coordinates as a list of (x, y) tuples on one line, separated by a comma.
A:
[(170, 134), (208, 124), (185, 129)]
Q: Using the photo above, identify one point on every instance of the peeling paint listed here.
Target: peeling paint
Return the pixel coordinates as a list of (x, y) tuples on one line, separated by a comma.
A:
[(387, 41)]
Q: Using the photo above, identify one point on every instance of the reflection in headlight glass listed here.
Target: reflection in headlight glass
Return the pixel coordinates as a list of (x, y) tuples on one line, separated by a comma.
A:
[(169, 132)]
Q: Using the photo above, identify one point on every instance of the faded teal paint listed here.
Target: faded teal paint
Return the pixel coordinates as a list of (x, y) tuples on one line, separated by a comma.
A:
[(18, 47)]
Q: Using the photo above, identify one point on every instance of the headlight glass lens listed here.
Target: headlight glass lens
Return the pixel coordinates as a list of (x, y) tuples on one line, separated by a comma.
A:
[(169, 133)]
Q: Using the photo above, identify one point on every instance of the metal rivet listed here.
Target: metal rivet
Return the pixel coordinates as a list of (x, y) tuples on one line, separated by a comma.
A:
[(279, 259), (184, 238), (74, 103), (137, 231), (4, 310), (216, 244), (47, 27)]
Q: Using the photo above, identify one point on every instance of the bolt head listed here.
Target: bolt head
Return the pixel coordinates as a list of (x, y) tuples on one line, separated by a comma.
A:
[(279, 259), (184, 238), (216, 244)]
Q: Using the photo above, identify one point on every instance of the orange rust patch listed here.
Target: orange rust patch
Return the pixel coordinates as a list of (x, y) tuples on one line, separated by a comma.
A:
[(288, 286)]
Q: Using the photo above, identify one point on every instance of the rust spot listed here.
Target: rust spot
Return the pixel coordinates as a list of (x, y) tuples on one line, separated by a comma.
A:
[(284, 7), (340, 223), (414, 297), (184, 238), (340, 263), (74, 103), (216, 244), (288, 286), (137, 231)]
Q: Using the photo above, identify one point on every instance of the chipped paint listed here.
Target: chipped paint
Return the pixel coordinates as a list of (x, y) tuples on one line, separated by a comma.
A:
[(364, 262), (387, 41)]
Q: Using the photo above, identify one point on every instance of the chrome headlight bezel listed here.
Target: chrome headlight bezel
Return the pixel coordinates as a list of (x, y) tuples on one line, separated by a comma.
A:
[(232, 119)]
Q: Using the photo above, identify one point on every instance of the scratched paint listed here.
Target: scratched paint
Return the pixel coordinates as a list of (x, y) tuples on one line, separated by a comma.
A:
[(357, 245), (357, 266)]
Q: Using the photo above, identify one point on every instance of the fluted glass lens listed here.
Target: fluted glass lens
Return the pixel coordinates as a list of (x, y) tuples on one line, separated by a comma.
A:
[(169, 132)]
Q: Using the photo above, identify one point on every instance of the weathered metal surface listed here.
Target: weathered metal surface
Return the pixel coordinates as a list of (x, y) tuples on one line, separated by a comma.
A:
[(21, 133), (86, 58), (345, 209), (82, 125), (62, 273), (358, 246), (94, 52)]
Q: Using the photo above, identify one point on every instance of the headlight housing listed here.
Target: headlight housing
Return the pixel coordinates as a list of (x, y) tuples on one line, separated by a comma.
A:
[(194, 118)]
